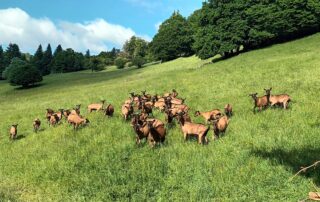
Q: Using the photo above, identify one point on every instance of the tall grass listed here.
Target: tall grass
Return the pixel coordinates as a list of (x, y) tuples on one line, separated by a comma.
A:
[(252, 162)]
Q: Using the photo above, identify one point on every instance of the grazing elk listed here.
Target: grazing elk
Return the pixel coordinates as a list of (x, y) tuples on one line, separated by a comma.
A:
[(209, 115)]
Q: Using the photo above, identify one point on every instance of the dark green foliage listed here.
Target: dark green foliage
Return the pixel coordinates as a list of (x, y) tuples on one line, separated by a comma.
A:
[(22, 73), (46, 61), (58, 50), (37, 59), (173, 40), (67, 61), (2, 62), (223, 27), (136, 50), (96, 64), (138, 61), (108, 57), (120, 62), (12, 51)]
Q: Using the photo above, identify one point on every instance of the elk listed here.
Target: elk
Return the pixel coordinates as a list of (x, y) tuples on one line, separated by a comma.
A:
[(77, 121), (36, 125), (282, 99), (261, 102), (220, 126), (96, 107), (126, 111), (157, 132), (13, 131), (228, 110), (109, 110), (189, 128), (209, 115)]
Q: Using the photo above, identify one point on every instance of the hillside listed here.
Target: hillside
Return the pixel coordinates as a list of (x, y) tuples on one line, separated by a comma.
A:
[(252, 162)]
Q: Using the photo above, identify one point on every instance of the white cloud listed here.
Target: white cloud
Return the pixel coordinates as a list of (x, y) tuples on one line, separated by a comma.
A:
[(17, 26)]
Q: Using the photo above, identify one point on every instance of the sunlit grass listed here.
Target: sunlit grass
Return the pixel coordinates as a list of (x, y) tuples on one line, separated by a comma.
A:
[(101, 162)]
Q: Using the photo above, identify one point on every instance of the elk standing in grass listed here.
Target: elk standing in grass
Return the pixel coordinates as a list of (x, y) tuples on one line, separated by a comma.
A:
[(220, 126), (209, 115), (195, 129), (282, 100), (13, 131), (261, 102), (228, 110), (36, 125), (96, 106)]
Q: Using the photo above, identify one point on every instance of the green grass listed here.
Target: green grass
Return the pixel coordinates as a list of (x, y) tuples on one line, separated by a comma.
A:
[(252, 162)]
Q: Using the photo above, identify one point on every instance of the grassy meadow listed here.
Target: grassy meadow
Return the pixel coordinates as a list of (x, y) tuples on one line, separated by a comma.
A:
[(252, 162)]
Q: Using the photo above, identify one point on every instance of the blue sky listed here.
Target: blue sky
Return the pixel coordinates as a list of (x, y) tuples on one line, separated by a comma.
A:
[(80, 24)]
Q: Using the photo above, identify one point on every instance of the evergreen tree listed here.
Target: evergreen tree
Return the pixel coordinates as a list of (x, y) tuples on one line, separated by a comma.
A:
[(57, 51), (173, 40), (37, 59), (2, 61), (12, 51), (46, 61), (87, 55)]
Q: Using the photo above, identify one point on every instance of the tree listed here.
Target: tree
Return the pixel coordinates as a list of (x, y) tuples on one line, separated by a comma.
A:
[(138, 61), (68, 61), (120, 62), (46, 61), (87, 55), (223, 27), (12, 51), (129, 46), (37, 59), (174, 39), (23, 73), (57, 51), (2, 62)]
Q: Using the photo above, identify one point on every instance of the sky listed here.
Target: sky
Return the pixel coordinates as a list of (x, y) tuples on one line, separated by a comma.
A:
[(97, 25)]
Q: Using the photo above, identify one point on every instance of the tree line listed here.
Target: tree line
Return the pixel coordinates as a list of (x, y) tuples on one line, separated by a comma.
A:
[(220, 27)]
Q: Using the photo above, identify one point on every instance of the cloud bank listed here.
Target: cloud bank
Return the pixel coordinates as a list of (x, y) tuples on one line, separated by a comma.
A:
[(17, 26)]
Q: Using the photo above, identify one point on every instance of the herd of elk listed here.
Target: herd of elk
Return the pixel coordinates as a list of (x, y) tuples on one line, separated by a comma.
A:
[(139, 108)]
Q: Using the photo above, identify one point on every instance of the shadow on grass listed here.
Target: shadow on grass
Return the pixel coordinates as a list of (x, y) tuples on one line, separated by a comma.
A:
[(19, 137), (294, 159), (30, 87)]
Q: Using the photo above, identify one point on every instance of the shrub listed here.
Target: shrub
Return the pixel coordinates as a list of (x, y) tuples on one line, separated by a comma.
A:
[(120, 62), (22, 73), (138, 61)]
